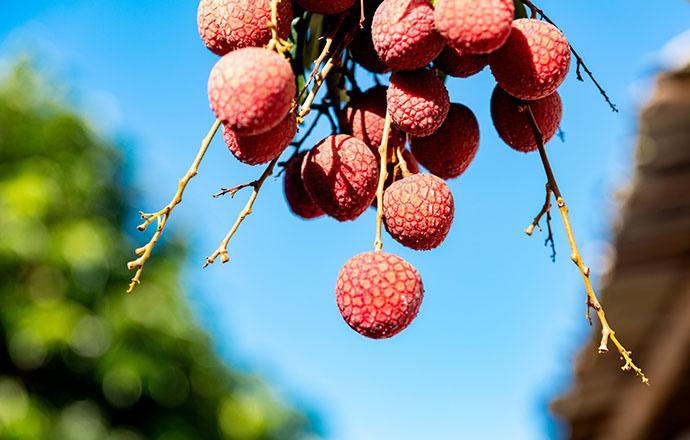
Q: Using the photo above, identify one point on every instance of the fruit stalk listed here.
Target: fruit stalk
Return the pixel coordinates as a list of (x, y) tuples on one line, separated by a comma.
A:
[(320, 77), (383, 173), (607, 333), (163, 215), (222, 249)]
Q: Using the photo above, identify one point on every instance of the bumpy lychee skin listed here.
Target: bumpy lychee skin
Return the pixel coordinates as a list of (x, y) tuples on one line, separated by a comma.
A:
[(226, 25), (460, 65), (251, 90), (404, 35), (340, 175), (533, 62), (417, 102), (474, 26), (364, 117), (264, 147), (449, 151), (325, 7), (299, 201), (378, 294), (512, 124), (418, 211)]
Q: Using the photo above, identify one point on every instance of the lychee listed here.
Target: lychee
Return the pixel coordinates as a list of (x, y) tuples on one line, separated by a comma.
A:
[(364, 117), (378, 294), (449, 151), (533, 62), (404, 35), (474, 26), (417, 102), (418, 211), (340, 175), (251, 90), (264, 147), (363, 51), (460, 65), (513, 125), (226, 25), (325, 7), (295, 194)]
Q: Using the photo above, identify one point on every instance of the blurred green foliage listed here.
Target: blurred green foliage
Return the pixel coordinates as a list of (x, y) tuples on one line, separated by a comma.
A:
[(80, 359)]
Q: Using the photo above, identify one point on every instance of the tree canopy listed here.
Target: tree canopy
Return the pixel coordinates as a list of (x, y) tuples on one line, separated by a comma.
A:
[(80, 359)]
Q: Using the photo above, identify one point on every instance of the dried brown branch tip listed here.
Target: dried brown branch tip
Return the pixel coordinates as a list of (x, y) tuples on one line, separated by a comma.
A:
[(291, 57)]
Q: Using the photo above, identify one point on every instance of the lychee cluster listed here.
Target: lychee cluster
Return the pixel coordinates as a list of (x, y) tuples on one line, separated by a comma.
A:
[(259, 91)]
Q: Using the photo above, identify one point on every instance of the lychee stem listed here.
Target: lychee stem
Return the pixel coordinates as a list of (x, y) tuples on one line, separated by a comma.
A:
[(162, 216), (402, 163), (319, 60), (383, 173), (607, 333), (222, 249), (544, 209), (279, 45), (320, 77)]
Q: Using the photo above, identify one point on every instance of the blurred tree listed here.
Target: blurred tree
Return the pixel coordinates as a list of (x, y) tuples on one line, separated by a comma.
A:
[(80, 359)]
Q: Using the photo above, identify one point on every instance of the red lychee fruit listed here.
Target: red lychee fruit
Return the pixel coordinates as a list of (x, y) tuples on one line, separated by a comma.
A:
[(251, 90), (340, 175), (363, 51), (378, 294), (513, 125), (418, 211), (364, 117), (474, 26), (460, 65), (325, 7), (362, 46), (264, 147), (533, 62), (295, 194), (417, 101), (449, 151), (226, 25), (404, 35)]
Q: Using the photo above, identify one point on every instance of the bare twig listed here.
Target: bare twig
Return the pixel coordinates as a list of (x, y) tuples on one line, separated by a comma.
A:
[(561, 134), (402, 163), (161, 217), (580, 62), (607, 333), (320, 59), (544, 209), (320, 77), (222, 250), (549, 238), (383, 173)]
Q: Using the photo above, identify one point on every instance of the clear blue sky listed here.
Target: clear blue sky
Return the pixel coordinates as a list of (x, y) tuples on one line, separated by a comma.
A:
[(500, 324)]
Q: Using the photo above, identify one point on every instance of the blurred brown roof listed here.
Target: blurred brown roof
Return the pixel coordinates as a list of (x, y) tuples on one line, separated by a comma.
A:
[(646, 294)]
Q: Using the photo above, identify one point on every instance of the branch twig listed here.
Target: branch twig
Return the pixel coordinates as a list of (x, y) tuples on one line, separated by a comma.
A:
[(580, 62), (278, 44), (383, 173), (222, 250), (545, 210), (607, 333), (320, 77), (161, 217)]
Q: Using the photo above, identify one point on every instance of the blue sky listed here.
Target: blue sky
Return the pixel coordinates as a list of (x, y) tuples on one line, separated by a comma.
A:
[(500, 324)]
